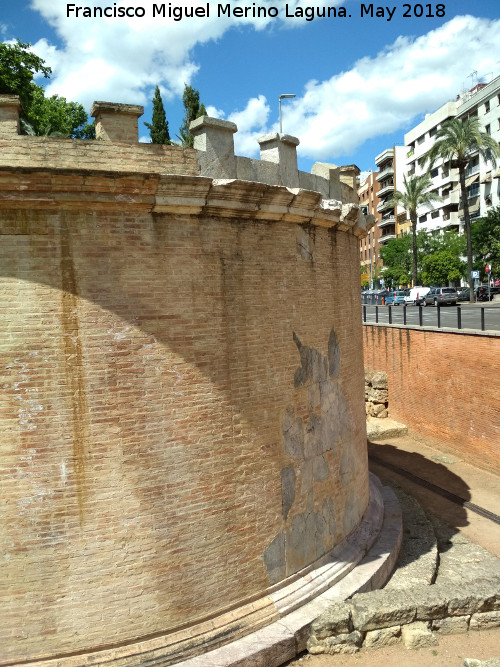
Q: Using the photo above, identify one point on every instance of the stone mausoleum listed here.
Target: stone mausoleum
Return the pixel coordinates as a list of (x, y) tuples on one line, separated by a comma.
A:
[(183, 444)]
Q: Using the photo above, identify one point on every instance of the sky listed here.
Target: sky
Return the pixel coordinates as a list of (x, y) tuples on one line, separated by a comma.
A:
[(362, 76)]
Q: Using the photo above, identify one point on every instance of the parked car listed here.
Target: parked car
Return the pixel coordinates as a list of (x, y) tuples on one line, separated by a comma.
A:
[(389, 299), (416, 295), (464, 294), (438, 296), (399, 297)]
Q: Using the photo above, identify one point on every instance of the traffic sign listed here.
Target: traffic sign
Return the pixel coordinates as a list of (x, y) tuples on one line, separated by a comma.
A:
[(475, 274), (487, 268)]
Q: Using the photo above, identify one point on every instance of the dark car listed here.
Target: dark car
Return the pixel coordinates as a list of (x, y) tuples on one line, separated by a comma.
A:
[(438, 296), (464, 294)]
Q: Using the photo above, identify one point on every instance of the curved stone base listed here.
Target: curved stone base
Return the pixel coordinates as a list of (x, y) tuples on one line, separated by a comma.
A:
[(271, 630)]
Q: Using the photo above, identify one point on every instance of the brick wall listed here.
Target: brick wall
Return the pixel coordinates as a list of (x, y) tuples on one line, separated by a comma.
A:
[(170, 449), (442, 385)]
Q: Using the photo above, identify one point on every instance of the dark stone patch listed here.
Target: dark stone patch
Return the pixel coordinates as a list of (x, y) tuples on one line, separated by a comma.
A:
[(274, 559), (287, 489), (320, 469), (333, 355)]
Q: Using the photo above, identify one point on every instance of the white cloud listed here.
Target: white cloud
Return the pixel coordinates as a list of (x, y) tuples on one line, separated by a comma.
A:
[(383, 94), (120, 59)]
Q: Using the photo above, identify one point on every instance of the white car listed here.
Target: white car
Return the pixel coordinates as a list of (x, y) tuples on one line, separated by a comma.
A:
[(416, 295)]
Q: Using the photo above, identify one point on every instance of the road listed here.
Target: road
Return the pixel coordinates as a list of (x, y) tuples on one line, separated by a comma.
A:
[(470, 315)]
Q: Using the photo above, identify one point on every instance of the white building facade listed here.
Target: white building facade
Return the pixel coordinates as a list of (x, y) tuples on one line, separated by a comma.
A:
[(482, 177)]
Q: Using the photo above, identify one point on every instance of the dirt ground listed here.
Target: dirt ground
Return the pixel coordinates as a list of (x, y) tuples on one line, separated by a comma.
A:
[(450, 652)]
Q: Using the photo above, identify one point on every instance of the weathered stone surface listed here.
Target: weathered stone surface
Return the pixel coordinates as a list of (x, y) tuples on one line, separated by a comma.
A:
[(384, 637), (452, 625), (484, 620), (382, 609), (335, 620), (472, 662), (343, 643), (379, 380), (467, 562), (417, 635), (377, 395), (287, 489), (472, 597), (384, 428), (430, 602)]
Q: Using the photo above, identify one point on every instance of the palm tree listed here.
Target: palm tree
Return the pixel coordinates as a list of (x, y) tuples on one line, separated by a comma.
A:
[(416, 193), (455, 143)]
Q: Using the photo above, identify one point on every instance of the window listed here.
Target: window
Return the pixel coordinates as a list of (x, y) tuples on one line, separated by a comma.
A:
[(435, 214), (473, 190), (435, 172), (486, 107), (487, 129), (421, 140), (432, 132), (423, 218), (446, 172)]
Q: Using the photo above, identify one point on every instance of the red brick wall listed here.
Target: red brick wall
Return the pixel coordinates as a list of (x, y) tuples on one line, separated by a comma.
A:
[(147, 364), (445, 386)]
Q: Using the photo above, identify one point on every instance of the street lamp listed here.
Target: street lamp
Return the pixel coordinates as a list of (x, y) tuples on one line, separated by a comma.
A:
[(280, 98)]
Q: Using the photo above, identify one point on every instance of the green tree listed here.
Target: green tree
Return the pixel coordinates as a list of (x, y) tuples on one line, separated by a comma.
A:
[(415, 194), (397, 258), (158, 128), (455, 142), (54, 116), (442, 266), (193, 109), (486, 242), (18, 66)]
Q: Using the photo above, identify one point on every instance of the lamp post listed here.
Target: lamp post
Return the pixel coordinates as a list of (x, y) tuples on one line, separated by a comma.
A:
[(280, 98)]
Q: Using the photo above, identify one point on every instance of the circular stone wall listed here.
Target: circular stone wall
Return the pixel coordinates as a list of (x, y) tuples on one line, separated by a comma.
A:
[(183, 410)]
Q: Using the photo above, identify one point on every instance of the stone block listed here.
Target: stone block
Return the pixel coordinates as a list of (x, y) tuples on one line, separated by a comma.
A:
[(382, 609), (417, 635), (344, 643), (335, 620), (378, 395), (484, 620), (474, 596), (379, 380), (429, 601), (381, 638), (453, 625)]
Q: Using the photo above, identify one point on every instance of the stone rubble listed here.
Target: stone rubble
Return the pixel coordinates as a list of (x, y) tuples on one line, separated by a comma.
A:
[(422, 599)]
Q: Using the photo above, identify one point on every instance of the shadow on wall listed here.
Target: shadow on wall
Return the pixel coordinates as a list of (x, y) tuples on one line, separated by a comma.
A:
[(438, 490)]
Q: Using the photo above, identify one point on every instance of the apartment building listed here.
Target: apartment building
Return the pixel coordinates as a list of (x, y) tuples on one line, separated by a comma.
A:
[(482, 179), (369, 246)]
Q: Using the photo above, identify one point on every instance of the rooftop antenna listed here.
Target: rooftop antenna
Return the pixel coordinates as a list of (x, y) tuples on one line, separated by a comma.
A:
[(473, 75)]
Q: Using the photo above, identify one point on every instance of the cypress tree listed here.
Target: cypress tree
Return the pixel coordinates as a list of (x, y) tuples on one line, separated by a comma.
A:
[(158, 128), (193, 109)]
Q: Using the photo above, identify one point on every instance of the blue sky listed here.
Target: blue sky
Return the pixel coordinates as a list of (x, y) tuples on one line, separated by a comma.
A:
[(360, 82)]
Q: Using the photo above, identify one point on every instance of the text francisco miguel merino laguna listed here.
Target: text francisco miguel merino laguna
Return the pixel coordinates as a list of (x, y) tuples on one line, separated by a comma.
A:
[(221, 10)]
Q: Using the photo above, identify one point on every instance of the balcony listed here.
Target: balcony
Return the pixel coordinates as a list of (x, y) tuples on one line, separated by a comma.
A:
[(388, 236), (385, 190), (389, 220), (387, 171), (452, 199), (388, 154), (385, 205)]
